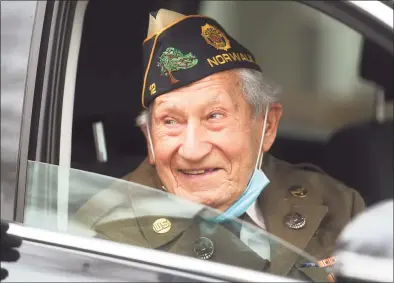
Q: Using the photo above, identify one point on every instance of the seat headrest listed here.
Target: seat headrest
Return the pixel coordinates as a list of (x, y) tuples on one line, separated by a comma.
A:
[(376, 66)]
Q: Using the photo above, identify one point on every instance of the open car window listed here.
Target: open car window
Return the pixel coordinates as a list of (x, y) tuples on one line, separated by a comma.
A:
[(92, 205)]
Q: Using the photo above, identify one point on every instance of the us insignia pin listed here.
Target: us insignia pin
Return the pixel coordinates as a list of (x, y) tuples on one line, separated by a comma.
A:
[(161, 226)]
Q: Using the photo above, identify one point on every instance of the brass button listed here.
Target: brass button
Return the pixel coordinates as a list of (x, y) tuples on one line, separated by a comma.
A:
[(203, 248), (295, 221), (161, 226), (298, 191)]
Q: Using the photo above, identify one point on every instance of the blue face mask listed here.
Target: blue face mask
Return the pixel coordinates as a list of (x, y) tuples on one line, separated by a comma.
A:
[(256, 185)]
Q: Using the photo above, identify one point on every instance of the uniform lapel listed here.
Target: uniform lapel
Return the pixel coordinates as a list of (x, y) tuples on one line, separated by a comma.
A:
[(276, 202), (229, 249), (140, 232), (146, 175)]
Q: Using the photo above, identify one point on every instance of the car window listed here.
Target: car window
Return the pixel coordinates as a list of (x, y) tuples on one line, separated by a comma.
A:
[(93, 205)]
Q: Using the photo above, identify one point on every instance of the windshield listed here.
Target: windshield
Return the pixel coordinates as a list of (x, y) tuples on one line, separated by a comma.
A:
[(92, 205)]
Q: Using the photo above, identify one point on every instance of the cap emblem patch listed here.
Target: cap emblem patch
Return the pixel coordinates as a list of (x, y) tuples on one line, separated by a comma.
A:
[(215, 37)]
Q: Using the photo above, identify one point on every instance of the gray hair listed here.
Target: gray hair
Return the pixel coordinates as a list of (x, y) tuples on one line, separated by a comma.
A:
[(258, 91)]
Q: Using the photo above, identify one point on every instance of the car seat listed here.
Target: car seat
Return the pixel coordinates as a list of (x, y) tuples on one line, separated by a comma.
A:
[(361, 155)]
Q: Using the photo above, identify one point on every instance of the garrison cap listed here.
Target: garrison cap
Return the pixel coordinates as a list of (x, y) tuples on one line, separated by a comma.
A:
[(180, 50)]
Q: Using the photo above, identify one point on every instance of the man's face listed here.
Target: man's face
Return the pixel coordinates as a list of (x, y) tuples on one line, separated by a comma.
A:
[(206, 140)]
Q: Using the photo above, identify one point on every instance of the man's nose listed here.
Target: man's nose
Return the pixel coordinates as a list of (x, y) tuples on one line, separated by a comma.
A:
[(194, 145)]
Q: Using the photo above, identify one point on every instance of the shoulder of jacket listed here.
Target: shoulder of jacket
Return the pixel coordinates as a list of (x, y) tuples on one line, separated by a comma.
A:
[(313, 175), (343, 202)]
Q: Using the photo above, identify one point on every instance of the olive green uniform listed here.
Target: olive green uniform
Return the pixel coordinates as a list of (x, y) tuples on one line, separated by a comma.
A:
[(326, 204)]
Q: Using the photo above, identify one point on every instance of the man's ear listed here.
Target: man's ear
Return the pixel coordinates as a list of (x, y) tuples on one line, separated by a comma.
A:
[(144, 129), (274, 114)]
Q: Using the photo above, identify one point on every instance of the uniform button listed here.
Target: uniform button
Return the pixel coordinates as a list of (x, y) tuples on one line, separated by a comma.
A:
[(161, 226), (203, 248), (298, 191), (295, 221)]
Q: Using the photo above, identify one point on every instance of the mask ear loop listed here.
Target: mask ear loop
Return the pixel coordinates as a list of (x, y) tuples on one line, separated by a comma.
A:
[(151, 147), (261, 153), (150, 141)]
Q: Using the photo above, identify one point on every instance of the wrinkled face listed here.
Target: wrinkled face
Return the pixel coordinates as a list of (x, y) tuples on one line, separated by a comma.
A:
[(206, 140)]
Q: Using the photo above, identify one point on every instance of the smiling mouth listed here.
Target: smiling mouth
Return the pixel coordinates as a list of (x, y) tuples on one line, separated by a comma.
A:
[(198, 171)]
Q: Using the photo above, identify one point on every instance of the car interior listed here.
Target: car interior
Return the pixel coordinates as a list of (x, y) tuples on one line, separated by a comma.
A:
[(108, 87)]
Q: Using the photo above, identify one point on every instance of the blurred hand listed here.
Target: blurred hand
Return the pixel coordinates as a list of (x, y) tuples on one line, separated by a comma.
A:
[(8, 253)]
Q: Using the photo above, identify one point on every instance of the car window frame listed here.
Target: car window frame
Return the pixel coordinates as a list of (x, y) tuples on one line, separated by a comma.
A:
[(42, 108)]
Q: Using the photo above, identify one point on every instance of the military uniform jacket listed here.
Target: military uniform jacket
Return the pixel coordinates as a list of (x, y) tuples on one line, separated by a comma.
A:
[(327, 206)]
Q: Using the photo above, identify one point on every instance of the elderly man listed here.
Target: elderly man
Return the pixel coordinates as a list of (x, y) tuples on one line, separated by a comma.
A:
[(209, 116)]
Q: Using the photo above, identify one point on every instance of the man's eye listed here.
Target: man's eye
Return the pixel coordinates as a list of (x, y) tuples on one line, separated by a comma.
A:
[(170, 122), (215, 116)]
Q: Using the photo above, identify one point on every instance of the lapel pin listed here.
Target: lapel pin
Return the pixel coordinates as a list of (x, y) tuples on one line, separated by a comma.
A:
[(327, 262), (324, 263), (295, 221), (298, 191), (203, 248), (161, 226)]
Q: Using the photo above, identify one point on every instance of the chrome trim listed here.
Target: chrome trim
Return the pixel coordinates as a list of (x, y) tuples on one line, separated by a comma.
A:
[(70, 78), (31, 77), (143, 255), (45, 263)]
